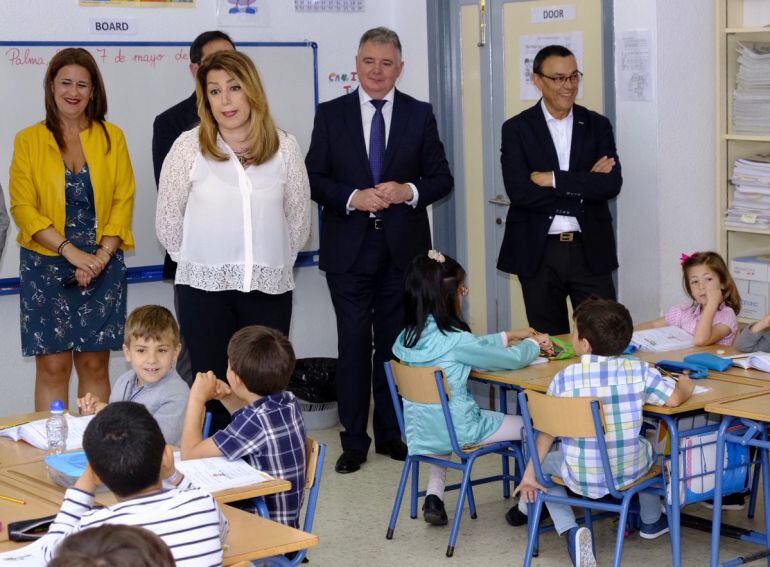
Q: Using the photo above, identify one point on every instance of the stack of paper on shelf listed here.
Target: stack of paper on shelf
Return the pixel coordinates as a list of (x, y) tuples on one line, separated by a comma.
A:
[(751, 99), (751, 199)]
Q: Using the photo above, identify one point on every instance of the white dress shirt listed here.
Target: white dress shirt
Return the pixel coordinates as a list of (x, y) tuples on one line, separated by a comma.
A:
[(561, 134), (230, 228), (367, 115)]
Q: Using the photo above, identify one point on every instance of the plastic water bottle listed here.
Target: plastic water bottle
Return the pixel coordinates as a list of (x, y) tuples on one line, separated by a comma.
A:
[(56, 429)]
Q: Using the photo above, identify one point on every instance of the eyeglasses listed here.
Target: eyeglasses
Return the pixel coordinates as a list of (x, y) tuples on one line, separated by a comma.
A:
[(561, 80)]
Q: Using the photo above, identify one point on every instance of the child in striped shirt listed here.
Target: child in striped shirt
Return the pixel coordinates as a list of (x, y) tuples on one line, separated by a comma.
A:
[(127, 452), (602, 331)]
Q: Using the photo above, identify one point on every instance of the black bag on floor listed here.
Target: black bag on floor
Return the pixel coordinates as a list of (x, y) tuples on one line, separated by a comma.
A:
[(314, 380)]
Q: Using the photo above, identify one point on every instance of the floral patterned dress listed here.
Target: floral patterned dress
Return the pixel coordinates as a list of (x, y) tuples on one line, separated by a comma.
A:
[(55, 318)]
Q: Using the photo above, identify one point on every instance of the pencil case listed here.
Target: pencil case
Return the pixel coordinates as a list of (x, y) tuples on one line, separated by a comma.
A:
[(710, 361), (677, 366), (29, 530)]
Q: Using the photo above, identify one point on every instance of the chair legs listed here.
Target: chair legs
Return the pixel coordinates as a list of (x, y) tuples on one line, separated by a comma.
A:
[(415, 489), (621, 533), (399, 497), (533, 529), (754, 487)]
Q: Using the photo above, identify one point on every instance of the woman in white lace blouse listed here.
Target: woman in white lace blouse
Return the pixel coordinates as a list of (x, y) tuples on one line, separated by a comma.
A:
[(233, 211)]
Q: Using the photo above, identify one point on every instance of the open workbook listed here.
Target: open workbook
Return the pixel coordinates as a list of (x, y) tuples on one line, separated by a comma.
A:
[(662, 339), (34, 432), (758, 360)]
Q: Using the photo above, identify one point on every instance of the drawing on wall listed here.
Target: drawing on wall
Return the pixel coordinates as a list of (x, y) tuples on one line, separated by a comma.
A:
[(139, 3), (529, 45), (252, 13), (635, 66)]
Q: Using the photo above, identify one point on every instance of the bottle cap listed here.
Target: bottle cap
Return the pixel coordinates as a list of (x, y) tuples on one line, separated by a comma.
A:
[(57, 405)]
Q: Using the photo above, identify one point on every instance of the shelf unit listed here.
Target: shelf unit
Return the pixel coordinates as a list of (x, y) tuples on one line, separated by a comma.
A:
[(733, 242)]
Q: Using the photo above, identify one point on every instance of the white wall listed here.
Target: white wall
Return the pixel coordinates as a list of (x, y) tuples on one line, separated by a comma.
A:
[(667, 150), (313, 324)]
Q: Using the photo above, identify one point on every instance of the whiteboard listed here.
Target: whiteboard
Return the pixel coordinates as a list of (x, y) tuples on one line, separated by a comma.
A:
[(142, 80)]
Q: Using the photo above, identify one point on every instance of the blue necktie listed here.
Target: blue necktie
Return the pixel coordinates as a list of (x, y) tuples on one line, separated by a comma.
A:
[(377, 141)]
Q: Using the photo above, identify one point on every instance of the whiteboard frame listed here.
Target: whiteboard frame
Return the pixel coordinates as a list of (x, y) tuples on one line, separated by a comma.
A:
[(154, 273)]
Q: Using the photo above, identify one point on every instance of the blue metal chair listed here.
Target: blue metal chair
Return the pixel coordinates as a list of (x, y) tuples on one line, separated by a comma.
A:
[(316, 454), (427, 385), (577, 418)]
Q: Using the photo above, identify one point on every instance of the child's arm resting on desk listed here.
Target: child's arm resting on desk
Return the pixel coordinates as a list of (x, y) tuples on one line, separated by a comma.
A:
[(206, 387), (529, 486), (77, 501), (491, 353), (655, 323), (682, 391)]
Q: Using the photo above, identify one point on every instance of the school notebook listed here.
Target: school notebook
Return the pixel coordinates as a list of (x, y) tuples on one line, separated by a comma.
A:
[(662, 339), (34, 432), (758, 360)]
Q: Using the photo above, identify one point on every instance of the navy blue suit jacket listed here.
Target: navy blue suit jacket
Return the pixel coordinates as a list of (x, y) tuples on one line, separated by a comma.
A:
[(337, 163), (527, 146)]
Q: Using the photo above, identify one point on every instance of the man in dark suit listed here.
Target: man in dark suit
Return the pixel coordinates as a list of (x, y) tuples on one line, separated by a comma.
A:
[(166, 128), (560, 169), (375, 163)]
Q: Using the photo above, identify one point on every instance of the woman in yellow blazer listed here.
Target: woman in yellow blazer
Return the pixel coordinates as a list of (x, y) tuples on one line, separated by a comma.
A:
[(72, 196)]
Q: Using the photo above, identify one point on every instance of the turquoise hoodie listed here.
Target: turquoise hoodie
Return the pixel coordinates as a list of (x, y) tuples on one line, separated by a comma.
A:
[(457, 353)]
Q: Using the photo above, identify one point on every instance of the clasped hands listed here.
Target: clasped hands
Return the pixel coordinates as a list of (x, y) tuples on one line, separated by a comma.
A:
[(207, 387), (87, 266), (545, 178), (381, 196)]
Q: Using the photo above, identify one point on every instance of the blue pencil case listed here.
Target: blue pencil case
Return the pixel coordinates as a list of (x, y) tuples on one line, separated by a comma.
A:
[(678, 366), (710, 361)]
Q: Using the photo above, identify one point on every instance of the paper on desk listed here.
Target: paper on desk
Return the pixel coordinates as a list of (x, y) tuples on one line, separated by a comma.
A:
[(700, 389), (30, 555), (662, 339), (34, 432), (217, 473)]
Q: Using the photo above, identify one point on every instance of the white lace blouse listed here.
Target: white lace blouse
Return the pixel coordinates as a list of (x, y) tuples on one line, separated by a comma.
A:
[(230, 228)]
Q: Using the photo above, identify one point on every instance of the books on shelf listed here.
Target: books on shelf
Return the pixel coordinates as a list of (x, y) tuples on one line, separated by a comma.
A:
[(751, 98), (662, 339), (34, 432), (751, 198), (757, 360)]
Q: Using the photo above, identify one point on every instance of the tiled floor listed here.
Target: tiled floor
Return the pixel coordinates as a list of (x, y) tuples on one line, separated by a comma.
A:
[(353, 511)]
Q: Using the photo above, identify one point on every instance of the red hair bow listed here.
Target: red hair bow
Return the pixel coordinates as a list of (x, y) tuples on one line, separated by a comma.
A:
[(684, 257)]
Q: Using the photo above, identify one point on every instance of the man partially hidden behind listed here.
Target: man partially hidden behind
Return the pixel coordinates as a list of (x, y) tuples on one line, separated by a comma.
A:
[(375, 163), (560, 169), (166, 128)]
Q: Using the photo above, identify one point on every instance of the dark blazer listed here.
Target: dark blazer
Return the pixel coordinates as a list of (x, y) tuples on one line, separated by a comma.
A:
[(166, 129), (337, 163), (526, 147)]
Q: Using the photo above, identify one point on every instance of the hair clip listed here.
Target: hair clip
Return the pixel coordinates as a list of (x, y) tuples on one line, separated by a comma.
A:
[(436, 255), (684, 257)]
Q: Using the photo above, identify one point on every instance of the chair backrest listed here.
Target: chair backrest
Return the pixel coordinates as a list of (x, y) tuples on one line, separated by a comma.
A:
[(562, 417), (311, 465), (418, 383)]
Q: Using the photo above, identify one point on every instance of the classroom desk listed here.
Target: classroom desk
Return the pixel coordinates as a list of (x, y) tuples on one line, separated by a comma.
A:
[(720, 388), (35, 474), (752, 412), (250, 536)]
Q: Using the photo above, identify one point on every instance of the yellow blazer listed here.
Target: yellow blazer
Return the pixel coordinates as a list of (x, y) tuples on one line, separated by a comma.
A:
[(37, 184)]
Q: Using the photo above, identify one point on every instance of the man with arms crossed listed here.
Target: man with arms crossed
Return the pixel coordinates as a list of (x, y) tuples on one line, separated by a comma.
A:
[(560, 169)]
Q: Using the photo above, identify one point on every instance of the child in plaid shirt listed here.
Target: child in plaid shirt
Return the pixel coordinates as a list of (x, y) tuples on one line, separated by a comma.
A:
[(602, 331), (266, 428)]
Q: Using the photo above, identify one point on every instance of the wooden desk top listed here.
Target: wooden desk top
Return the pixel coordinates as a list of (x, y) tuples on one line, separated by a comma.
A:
[(721, 387), (250, 536), (755, 407), (35, 507), (35, 474)]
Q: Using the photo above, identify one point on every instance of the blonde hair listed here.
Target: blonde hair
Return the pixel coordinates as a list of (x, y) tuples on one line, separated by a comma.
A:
[(153, 322), (262, 141), (716, 264)]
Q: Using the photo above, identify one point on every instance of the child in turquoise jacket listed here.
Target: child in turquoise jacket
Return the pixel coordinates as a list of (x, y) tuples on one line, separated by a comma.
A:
[(435, 334)]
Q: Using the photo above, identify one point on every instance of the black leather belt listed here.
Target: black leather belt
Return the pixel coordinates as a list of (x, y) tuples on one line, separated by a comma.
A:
[(565, 236), (376, 223)]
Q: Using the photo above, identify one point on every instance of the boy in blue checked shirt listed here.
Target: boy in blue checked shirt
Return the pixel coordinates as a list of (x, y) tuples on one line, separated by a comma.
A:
[(266, 427), (602, 331)]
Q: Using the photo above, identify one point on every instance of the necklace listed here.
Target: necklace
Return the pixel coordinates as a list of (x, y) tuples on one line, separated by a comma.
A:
[(242, 156)]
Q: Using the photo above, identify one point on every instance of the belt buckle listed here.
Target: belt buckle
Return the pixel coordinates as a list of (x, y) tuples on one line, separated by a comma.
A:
[(566, 237), (378, 224)]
